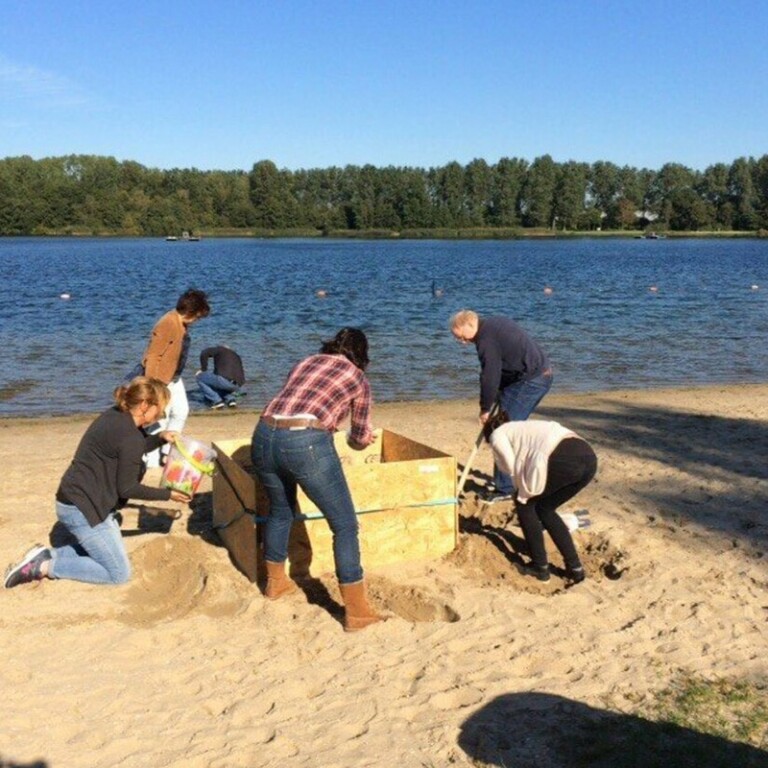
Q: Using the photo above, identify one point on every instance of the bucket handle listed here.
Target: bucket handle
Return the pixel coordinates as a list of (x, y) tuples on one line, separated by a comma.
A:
[(206, 469)]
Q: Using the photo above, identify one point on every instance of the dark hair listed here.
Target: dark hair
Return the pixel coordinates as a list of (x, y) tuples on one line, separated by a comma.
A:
[(350, 342), (498, 418), (193, 303)]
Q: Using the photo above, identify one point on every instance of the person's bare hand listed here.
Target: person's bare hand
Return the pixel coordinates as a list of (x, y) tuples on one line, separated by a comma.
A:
[(360, 446), (183, 498)]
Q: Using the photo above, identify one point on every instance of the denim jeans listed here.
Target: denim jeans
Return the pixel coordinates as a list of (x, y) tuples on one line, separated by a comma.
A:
[(519, 401), (99, 556), (216, 388), (285, 459)]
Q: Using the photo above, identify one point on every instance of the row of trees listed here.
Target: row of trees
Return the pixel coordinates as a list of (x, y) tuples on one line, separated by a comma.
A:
[(99, 195)]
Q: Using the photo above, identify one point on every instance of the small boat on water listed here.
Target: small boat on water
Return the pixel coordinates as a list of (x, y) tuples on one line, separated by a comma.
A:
[(185, 236)]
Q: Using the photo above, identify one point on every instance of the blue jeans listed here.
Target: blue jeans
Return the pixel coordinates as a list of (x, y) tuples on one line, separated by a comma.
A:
[(216, 388), (99, 556), (519, 400), (285, 459)]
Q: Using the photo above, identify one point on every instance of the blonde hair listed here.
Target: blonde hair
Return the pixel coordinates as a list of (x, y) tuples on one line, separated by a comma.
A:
[(462, 317), (142, 389)]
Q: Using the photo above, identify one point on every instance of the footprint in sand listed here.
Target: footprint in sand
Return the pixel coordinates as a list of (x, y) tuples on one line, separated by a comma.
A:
[(410, 603), (387, 597)]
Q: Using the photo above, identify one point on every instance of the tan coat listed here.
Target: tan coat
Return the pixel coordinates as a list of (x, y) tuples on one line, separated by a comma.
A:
[(165, 345)]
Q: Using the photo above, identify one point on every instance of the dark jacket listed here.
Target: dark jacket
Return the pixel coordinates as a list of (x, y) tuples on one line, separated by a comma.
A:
[(226, 363)]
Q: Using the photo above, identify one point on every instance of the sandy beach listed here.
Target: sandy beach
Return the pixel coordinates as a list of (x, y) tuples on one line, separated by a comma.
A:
[(188, 665)]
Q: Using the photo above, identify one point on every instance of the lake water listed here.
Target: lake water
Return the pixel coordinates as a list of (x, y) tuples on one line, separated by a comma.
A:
[(603, 326)]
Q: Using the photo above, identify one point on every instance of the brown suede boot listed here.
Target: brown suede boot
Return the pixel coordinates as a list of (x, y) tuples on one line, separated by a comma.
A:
[(357, 613), (278, 583)]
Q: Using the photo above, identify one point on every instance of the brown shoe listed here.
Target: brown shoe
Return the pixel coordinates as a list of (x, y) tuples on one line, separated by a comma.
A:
[(278, 583), (357, 613)]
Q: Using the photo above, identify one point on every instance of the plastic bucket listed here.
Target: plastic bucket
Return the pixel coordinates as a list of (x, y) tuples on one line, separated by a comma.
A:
[(187, 462)]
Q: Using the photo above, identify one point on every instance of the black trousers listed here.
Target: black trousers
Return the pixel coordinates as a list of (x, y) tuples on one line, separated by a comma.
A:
[(571, 467)]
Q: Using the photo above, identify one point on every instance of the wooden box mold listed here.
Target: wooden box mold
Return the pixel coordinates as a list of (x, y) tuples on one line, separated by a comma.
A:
[(404, 495)]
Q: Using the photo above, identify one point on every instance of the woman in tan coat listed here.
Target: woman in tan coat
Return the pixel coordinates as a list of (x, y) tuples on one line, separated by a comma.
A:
[(166, 355)]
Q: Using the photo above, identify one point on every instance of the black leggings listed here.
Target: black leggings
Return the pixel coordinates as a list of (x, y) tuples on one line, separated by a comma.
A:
[(571, 467)]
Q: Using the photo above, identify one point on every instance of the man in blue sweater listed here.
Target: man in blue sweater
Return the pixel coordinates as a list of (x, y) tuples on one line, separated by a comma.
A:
[(513, 369)]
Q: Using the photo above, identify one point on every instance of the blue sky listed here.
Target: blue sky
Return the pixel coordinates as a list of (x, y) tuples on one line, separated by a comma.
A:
[(313, 83)]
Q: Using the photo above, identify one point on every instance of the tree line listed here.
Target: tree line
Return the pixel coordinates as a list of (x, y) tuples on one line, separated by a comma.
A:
[(87, 194)]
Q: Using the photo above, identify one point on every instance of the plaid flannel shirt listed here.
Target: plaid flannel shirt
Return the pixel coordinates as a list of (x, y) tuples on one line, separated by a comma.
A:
[(329, 387)]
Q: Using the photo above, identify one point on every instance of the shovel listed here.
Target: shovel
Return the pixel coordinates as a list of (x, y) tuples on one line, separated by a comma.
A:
[(471, 458)]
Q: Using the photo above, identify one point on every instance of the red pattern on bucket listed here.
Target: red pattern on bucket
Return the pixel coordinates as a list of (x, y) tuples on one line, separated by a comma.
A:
[(188, 460)]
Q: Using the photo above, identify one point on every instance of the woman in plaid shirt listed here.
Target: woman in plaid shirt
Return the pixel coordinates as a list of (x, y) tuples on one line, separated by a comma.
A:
[(293, 446)]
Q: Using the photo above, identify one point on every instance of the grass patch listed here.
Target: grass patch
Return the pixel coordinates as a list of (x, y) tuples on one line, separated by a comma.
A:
[(736, 710), (693, 723)]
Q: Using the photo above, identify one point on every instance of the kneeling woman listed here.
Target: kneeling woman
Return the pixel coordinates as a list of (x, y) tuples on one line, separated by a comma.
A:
[(293, 446), (550, 464), (107, 467)]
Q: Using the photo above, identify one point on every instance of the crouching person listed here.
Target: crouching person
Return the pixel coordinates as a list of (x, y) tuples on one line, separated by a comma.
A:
[(106, 469), (550, 464), (293, 446)]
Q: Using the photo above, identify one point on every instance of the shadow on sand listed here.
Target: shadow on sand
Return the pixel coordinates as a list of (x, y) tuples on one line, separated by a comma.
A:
[(709, 450), (546, 731)]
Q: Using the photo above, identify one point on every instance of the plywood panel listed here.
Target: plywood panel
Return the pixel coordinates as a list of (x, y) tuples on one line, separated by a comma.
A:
[(234, 497), (403, 492), (387, 537)]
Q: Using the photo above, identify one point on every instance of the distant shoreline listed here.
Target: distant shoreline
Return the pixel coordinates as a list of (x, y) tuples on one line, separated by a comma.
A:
[(482, 233)]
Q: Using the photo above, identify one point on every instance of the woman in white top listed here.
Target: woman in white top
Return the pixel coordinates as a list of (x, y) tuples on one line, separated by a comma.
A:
[(550, 464)]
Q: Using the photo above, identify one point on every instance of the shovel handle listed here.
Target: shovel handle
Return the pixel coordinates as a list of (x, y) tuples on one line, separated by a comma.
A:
[(475, 448)]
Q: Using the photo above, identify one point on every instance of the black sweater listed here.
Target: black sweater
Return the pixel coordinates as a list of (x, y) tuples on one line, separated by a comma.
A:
[(107, 467)]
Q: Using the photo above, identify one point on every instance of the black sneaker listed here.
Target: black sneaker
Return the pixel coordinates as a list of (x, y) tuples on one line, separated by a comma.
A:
[(28, 569), (575, 575), (541, 572), (216, 406), (232, 404)]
